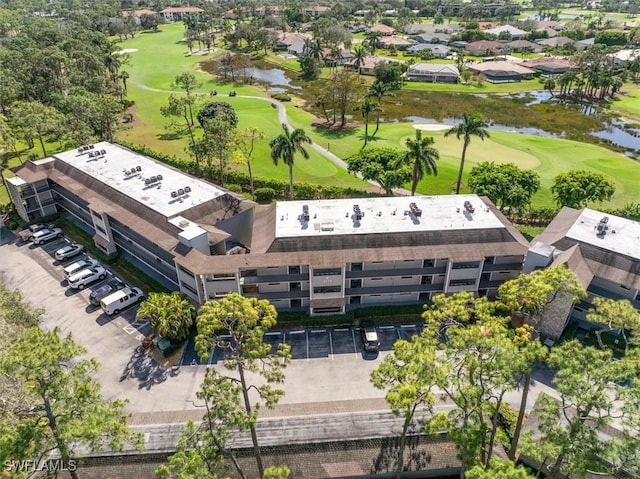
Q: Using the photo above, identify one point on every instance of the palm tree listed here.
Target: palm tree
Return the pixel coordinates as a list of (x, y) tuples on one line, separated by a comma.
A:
[(472, 125), (378, 90), (285, 146), (366, 108), (359, 56), (550, 84), (373, 39), (423, 156)]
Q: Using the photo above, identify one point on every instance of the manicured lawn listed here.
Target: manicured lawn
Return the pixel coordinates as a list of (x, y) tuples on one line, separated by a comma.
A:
[(629, 102), (150, 66)]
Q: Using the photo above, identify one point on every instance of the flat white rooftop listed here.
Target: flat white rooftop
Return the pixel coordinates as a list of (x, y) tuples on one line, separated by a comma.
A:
[(621, 236), (382, 215), (129, 172)]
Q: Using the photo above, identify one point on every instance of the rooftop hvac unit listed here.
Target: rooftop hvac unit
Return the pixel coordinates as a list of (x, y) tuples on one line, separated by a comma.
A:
[(159, 177), (358, 212), (133, 170), (174, 194), (138, 168), (415, 211), (187, 189), (103, 152), (602, 226), (180, 191), (91, 155), (469, 207), (305, 212)]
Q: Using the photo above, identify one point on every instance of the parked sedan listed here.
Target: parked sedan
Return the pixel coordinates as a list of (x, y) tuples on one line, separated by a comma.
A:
[(84, 278), (79, 266), (105, 290), (44, 235), (27, 234), (69, 251)]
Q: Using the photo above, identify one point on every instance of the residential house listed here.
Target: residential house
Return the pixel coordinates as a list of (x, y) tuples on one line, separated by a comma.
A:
[(433, 37), (550, 66), (525, 46), (368, 64), (438, 51), (315, 11), (515, 33), (501, 71), (344, 56), (433, 72), (582, 45), (484, 48), (292, 42), (137, 14), (397, 43), (385, 30), (319, 256), (604, 252), (175, 14), (556, 42)]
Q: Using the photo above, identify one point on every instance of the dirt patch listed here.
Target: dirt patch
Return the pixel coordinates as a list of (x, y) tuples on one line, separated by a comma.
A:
[(327, 125), (135, 121)]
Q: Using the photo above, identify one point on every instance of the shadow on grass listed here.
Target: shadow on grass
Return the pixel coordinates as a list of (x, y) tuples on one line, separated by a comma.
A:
[(170, 136), (333, 134)]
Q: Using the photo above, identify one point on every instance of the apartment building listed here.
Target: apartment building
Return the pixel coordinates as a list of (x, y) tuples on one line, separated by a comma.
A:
[(321, 256), (604, 252)]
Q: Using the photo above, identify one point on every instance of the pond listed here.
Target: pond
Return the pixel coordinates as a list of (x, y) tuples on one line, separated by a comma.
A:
[(614, 132), (272, 76)]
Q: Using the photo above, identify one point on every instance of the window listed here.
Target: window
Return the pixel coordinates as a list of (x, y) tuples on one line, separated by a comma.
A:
[(626, 288), (224, 276), (296, 303), (428, 263), (189, 288), (423, 297), (356, 283), (376, 279), (186, 271), (327, 272), (327, 310), (425, 280), (466, 265), (355, 300), (462, 282), (327, 289), (294, 269), (294, 287), (406, 277), (356, 266)]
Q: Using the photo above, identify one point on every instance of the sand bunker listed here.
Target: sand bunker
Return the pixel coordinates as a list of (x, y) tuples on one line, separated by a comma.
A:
[(125, 51), (431, 126)]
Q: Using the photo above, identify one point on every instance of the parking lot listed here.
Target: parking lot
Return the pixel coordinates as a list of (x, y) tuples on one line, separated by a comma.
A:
[(321, 343), (125, 320)]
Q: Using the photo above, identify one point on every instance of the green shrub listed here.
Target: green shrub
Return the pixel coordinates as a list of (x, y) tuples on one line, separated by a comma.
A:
[(265, 195), (233, 187), (281, 97)]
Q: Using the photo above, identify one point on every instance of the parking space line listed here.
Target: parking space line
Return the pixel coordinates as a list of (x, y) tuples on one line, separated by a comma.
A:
[(341, 329), (302, 331), (330, 346), (318, 331), (386, 327), (353, 337), (276, 333), (412, 326)]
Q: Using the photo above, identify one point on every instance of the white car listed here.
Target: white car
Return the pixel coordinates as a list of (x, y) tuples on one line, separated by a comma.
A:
[(84, 278), (79, 266), (42, 236), (69, 251)]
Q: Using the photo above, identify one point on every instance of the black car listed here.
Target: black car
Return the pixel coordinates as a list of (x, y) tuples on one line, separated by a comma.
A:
[(105, 290), (213, 92), (370, 339), (232, 93)]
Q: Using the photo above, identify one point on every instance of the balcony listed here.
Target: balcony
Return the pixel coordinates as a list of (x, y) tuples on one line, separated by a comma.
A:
[(408, 288), (375, 273), (490, 267), (275, 278), (608, 294), (271, 295)]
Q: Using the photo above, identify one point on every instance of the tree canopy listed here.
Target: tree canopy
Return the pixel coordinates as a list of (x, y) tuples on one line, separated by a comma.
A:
[(576, 188), (506, 185), (171, 315), (384, 165), (220, 110)]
